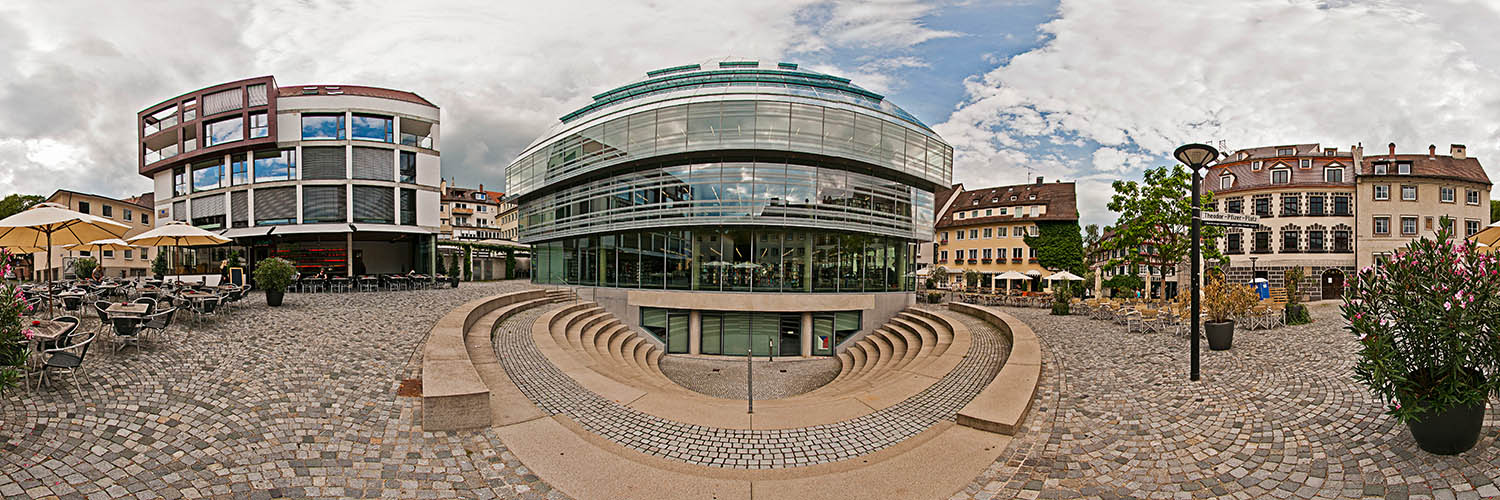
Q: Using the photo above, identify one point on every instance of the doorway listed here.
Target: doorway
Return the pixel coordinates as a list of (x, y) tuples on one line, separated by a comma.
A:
[(791, 335), (1333, 284)]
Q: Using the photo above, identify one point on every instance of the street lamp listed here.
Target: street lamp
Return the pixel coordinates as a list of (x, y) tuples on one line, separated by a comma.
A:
[(1196, 157), (1252, 268)]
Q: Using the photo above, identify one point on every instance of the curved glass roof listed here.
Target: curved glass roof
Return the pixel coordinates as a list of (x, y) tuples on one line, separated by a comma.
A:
[(732, 75)]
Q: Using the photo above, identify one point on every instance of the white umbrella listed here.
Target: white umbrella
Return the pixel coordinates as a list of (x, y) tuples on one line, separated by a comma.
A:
[(48, 224), (1010, 275), (178, 234), (111, 244), (1064, 275)]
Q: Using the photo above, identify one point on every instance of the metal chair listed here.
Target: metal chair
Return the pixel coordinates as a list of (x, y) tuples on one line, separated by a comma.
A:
[(159, 322), (68, 360)]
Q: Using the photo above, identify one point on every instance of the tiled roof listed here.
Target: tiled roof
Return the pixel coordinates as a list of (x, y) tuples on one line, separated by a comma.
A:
[(359, 90), (467, 195), (1060, 198), (1447, 167), (1246, 178)]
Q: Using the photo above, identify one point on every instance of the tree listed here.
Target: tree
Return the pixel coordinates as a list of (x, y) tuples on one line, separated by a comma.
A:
[(1058, 246), (1494, 210), (84, 268), (1158, 213), (1124, 283), (939, 275), (16, 203), (1090, 236)]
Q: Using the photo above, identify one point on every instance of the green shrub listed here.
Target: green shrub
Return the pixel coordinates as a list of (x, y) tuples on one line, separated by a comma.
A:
[(934, 297), (274, 274), (84, 268)]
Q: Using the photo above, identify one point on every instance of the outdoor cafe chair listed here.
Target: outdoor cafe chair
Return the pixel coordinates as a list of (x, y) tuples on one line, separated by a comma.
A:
[(158, 322), (99, 309), (66, 360), (368, 284), (62, 340)]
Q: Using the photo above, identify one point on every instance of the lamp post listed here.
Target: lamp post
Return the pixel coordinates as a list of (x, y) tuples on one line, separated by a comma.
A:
[(1196, 157), (1252, 268)]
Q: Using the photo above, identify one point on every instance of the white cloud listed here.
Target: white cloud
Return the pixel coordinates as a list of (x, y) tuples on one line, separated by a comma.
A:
[(76, 74), (1139, 78)]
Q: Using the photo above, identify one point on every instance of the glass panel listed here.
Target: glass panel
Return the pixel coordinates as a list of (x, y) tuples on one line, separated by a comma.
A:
[(679, 261), (222, 131), (738, 249), (806, 123), (703, 125), (851, 265), (736, 186), (654, 321), (772, 124), (677, 332), (207, 177), (736, 332), (238, 171), (711, 331), (770, 190), (653, 263), (630, 260), (671, 129), (823, 341), (737, 127), (765, 328), (609, 260), (825, 262), (768, 268), (325, 126), (275, 165), (838, 131), (796, 273), (711, 261)]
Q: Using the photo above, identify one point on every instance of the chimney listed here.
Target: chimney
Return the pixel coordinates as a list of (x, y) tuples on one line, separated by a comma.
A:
[(1431, 150), (443, 188), (481, 187), (1393, 149), (1039, 180), (1458, 151)]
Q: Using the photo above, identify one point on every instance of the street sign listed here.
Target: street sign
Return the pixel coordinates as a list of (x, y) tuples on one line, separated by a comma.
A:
[(1231, 220)]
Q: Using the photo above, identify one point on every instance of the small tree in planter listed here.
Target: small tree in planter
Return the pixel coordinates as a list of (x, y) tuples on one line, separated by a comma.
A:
[(84, 268), (1429, 338), (1296, 311), (934, 297), (1060, 300), (274, 275), (1222, 302), (159, 266), (971, 278), (939, 275)]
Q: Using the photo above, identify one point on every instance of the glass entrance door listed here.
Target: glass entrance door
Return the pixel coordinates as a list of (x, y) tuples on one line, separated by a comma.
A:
[(791, 335)]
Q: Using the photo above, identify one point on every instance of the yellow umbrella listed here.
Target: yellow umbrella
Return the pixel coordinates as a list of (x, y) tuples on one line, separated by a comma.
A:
[(48, 224), (1489, 236), (178, 234)]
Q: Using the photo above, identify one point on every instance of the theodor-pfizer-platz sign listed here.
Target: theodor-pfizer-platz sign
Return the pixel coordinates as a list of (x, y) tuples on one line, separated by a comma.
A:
[(1231, 220)]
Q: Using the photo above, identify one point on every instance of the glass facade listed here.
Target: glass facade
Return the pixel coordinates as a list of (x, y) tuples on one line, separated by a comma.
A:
[(730, 260), (733, 333), (854, 133), (735, 190), (222, 131), (322, 126), (371, 128)]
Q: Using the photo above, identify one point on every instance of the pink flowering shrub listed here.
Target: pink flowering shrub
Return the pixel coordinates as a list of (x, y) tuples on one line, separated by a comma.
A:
[(13, 334), (1426, 321)]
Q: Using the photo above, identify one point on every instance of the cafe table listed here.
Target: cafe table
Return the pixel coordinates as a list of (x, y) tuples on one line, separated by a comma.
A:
[(129, 310)]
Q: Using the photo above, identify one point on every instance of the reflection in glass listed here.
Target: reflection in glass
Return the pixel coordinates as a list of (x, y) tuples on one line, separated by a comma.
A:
[(322, 126), (222, 131), (371, 128), (275, 165), (207, 177)]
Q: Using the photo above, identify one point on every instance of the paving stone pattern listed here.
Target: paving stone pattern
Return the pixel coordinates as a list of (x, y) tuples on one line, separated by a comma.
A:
[(296, 401), (724, 376), (1277, 416), (555, 393)]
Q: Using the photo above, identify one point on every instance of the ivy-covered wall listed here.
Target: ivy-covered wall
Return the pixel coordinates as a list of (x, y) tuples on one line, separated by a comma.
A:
[(1059, 245)]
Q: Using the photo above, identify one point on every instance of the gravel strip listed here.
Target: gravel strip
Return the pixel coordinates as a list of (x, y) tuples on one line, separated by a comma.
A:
[(724, 377)]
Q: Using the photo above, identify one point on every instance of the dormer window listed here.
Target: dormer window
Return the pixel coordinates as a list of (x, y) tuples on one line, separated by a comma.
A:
[(1380, 169), (1012, 197), (960, 215), (1255, 165), (1331, 152), (1226, 181), (1285, 152), (1403, 168), (1305, 163), (1281, 176), (1033, 197), (1335, 175)]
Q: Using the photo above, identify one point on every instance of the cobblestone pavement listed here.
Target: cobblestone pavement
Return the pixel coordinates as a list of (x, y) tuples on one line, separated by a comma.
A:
[(724, 377), (555, 393), (1277, 416), (298, 401)]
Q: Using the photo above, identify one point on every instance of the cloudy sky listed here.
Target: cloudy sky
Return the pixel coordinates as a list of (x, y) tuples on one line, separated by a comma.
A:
[(1083, 90)]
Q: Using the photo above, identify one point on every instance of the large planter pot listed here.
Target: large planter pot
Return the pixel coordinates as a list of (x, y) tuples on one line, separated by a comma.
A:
[(1220, 334), (454, 281), (273, 299), (1450, 431)]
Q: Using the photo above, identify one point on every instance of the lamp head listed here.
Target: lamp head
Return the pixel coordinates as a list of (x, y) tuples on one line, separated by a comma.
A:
[(1196, 156)]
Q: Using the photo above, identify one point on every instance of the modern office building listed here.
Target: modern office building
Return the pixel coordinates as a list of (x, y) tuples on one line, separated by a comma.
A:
[(338, 177), (984, 230), (733, 205), (1330, 211), (131, 263)]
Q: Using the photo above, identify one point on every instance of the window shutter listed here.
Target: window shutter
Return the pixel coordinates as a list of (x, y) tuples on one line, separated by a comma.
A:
[(374, 163), (206, 206), (239, 208), (227, 100), (408, 207), (323, 204), (374, 204), (257, 94), (323, 163), (179, 210), (276, 203)]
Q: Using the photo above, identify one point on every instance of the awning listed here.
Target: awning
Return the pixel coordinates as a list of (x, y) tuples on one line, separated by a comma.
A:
[(390, 228), (247, 232), (312, 228)]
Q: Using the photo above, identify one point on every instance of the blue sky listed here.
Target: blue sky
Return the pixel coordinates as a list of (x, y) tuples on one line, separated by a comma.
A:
[(1088, 91)]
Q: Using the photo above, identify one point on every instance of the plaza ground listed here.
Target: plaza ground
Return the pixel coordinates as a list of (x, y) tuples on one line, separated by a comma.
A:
[(302, 401)]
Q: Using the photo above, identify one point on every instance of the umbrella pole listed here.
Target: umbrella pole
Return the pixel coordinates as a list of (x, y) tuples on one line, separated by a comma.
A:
[(50, 311)]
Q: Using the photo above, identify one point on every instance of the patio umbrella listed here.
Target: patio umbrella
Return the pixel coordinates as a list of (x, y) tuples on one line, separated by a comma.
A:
[(111, 244), (1064, 275), (1032, 274), (177, 234), (1010, 275), (48, 224), (1489, 236)]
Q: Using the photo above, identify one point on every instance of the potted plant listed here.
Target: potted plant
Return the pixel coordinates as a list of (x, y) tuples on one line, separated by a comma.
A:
[(1222, 302), (84, 268), (1060, 300), (159, 266), (1429, 338), (274, 275), (939, 276), (934, 297), (1296, 311)]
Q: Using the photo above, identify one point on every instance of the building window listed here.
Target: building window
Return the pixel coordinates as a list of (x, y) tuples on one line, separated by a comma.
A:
[(943, 256), (1341, 241), (275, 165), (1315, 241), (1281, 176), (371, 128), (960, 234), (208, 177), (1408, 192), (408, 167), (988, 233), (1403, 168), (1382, 192), (1334, 175), (973, 254), (1290, 240), (322, 126), (1263, 206), (960, 215), (1234, 205), (1226, 181), (1315, 205), (145, 219), (1471, 196), (1255, 165), (128, 214), (239, 172), (1380, 168), (1341, 206), (988, 212), (127, 254), (1000, 232), (259, 125), (1408, 225), (1471, 227), (1290, 205), (987, 254), (223, 131), (1447, 194), (1015, 254), (1383, 225), (1305, 163), (1285, 152), (83, 207), (1262, 242), (973, 234), (107, 211), (1234, 244)]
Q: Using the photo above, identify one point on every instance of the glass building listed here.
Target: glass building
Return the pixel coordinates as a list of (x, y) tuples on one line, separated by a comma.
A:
[(733, 177)]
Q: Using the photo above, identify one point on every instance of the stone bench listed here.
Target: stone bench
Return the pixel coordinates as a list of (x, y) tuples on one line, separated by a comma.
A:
[(1002, 406), (454, 396)]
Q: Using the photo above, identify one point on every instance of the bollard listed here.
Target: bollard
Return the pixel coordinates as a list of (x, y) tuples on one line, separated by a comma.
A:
[(749, 382)]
